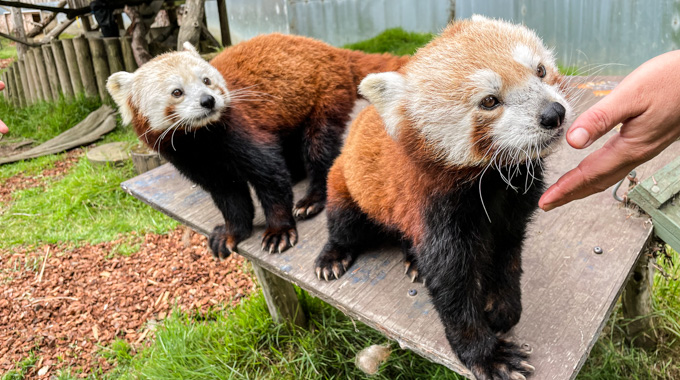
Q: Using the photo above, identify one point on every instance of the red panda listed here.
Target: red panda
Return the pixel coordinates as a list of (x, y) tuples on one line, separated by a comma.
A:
[(449, 157), (260, 109)]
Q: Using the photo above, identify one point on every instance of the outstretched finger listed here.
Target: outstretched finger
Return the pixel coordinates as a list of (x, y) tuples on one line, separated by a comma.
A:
[(597, 172), (621, 104)]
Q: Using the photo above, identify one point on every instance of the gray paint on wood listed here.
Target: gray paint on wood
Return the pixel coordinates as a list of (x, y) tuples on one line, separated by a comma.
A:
[(51, 68), (62, 68), (637, 304), (73, 68), (84, 57), (568, 291), (101, 65)]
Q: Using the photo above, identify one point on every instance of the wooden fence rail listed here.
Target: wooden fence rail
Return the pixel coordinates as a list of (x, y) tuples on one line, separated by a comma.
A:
[(66, 68)]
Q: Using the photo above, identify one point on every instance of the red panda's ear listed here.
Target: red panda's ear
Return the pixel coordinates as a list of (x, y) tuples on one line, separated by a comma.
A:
[(187, 46), (385, 91), (119, 86)]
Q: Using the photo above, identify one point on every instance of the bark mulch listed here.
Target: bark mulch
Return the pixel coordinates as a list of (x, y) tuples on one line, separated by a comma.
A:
[(85, 297), (22, 181)]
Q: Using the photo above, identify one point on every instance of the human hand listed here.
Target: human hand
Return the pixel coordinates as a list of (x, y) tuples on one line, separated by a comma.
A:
[(3, 127), (646, 102)]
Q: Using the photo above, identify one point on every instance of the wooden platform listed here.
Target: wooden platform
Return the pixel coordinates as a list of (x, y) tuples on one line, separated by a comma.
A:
[(568, 290)]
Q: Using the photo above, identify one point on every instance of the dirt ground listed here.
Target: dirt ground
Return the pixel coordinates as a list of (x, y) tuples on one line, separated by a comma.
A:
[(65, 302)]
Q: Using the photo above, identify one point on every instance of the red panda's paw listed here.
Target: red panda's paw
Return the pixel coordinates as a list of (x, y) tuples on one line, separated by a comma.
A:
[(509, 362), (222, 244), (411, 270), (332, 263), (309, 206), (279, 239)]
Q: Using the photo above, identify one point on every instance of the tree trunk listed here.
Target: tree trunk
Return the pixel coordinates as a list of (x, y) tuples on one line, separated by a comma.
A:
[(140, 47), (190, 30), (19, 31)]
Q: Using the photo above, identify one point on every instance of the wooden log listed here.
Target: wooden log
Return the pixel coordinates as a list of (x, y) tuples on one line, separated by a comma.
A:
[(145, 159), (54, 33), (636, 303), (52, 73), (191, 23), (282, 300), (18, 86), (29, 91), (224, 23), (101, 65), (114, 54), (87, 75), (62, 68), (7, 92), (18, 31), (32, 72), (73, 68), (140, 47), (42, 74), (128, 56)]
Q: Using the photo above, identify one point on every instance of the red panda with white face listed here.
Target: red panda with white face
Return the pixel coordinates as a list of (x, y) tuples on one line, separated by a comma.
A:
[(260, 110), (449, 156)]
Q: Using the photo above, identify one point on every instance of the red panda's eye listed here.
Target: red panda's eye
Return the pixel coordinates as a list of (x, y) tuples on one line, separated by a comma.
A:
[(177, 93), (540, 71), (206, 81), (490, 102)]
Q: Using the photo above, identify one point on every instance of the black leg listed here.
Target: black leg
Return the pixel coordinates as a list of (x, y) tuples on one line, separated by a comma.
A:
[(349, 232), (321, 145), (237, 208), (270, 177), (453, 261), (503, 306)]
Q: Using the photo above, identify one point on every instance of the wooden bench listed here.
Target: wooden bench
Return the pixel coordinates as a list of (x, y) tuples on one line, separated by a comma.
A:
[(568, 289)]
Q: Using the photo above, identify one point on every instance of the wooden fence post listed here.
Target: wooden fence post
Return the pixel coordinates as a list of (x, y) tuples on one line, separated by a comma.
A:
[(114, 54), (8, 89), (26, 82), (85, 65), (33, 74), (52, 74), (72, 64), (16, 82), (42, 73), (101, 65), (62, 68), (128, 55)]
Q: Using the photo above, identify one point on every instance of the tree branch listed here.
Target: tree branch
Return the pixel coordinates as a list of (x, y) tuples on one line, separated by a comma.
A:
[(19, 40), (72, 13), (41, 25)]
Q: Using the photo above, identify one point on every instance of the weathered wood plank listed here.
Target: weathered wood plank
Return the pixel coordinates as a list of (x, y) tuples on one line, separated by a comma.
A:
[(114, 54), (101, 65), (26, 82), (33, 76), (73, 68), (62, 68), (51, 69), (42, 74), (84, 57), (568, 290), (282, 300)]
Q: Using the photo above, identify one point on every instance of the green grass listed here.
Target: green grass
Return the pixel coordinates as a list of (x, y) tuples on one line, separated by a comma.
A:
[(396, 41), (7, 50), (22, 368), (245, 344), (87, 205)]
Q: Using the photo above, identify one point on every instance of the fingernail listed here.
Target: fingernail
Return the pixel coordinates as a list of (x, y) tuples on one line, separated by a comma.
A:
[(548, 207), (579, 138)]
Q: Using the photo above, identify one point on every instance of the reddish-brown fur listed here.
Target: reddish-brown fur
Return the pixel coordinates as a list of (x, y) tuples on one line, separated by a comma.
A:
[(295, 80), (399, 197)]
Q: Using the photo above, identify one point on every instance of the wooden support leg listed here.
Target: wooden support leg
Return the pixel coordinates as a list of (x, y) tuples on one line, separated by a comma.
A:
[(281, 298), (637, 303)]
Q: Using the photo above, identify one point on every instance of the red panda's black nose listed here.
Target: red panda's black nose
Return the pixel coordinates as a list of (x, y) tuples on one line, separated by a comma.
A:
[(552, 115), (207, 101)]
